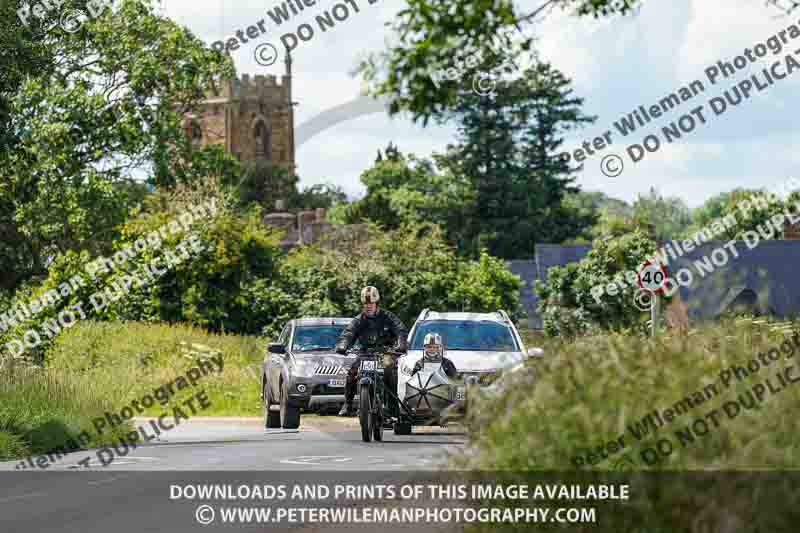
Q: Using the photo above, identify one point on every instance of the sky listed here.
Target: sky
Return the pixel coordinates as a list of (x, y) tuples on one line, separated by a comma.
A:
[(616, 64)]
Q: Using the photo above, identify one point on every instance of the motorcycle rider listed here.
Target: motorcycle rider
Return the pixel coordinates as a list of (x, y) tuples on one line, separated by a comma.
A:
[(375, 328)]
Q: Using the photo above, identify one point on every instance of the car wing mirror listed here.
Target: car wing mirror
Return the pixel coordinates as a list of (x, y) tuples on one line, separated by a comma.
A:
[(535, 352), (276, 347)]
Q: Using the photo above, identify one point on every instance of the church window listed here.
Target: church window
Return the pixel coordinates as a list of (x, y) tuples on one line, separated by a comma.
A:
[(262, 141)]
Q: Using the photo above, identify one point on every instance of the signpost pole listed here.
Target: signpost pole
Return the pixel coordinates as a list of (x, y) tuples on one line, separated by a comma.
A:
[(655, 312), (652, 278)]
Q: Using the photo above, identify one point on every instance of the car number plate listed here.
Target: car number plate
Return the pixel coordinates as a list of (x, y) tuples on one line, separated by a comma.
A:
[(336, 383), (367, 365), (460, 394)]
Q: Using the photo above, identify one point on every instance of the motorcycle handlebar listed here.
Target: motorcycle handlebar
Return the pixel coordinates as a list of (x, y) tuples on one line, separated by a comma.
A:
[(376, 352)]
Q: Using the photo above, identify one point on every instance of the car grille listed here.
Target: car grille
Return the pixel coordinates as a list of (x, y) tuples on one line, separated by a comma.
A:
[(329, 370), (325, 390)]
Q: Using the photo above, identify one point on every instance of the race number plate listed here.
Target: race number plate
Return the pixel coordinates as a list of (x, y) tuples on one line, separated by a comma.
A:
[(367, 365), (336, 383), (460, 394)]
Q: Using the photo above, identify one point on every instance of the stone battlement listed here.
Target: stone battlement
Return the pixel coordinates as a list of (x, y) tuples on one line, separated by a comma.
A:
[(259, 87)]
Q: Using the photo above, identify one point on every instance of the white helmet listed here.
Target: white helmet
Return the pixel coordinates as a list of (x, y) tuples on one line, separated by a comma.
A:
[(370, 295), (432, 346), (432, 339)]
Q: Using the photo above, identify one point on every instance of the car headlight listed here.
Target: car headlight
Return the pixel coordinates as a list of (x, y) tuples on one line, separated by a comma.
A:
[(304, 368)]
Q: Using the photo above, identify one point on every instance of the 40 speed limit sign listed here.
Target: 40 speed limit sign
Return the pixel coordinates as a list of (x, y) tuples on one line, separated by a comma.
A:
[(653, 277)]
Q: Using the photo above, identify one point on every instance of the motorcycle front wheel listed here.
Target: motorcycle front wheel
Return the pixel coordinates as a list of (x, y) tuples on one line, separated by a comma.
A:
[(365, 413), (377, 420)]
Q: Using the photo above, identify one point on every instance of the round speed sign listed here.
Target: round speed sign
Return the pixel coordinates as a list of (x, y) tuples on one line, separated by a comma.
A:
[(652, 277)]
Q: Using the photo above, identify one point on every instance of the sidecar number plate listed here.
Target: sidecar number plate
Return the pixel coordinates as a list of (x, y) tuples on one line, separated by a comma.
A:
[(460, 394), (367, 365)]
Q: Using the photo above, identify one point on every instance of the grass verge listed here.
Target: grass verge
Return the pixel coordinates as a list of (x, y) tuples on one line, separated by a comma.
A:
[(99, 367), (585, 394), (716, 461)]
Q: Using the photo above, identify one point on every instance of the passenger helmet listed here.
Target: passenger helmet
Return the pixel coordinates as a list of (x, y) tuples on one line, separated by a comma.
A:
[(433, 347), (370, 295)]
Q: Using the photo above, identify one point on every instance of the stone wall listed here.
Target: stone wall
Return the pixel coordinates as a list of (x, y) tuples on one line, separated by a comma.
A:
[(304, 226), (791, 231)]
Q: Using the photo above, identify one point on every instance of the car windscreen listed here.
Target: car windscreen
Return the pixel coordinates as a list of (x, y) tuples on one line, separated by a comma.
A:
[(477, 335), (313, 338)]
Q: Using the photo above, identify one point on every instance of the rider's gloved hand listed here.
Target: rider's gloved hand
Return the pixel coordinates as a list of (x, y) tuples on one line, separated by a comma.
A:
[(341, 350)]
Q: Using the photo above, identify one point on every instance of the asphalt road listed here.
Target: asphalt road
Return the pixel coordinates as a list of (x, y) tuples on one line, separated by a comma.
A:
[(132, 492), (322, 443)]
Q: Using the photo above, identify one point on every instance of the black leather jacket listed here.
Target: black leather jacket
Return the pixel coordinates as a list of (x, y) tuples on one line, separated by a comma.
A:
[(383, 330)]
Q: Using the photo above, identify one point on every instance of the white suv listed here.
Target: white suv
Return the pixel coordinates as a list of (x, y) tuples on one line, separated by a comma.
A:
[(480, 345)]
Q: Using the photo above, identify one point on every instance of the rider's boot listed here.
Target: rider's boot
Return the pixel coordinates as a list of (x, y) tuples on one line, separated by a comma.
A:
[(347, 410)]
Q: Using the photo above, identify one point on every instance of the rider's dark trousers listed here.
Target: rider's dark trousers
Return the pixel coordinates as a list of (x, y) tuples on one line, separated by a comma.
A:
[(389, 378)]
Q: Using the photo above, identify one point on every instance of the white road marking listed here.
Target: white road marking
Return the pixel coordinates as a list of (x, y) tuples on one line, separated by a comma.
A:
[(23, 496), (102, 481), (186, 446), (311, 460)]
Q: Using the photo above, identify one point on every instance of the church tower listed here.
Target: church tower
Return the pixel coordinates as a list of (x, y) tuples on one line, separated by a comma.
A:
[(251, 119)]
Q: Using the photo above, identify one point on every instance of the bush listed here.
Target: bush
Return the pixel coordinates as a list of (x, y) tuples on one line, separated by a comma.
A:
[(565, 299), (221, 288), (413, 267), (486, 285)]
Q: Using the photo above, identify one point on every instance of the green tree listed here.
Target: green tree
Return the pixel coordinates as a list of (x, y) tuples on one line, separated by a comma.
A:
[(402, 189), (263, 183), (749, 207), (599, 202), (434, 35), (486, 285), (100, 105), (712, 209), (614, 217), (668, 217), (508, 144), (324, 195)]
